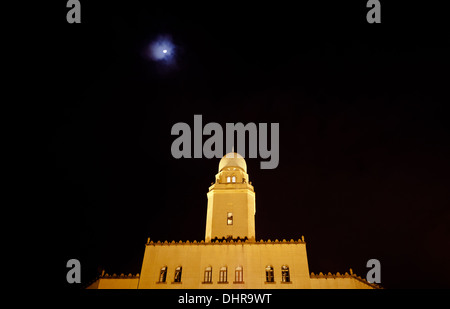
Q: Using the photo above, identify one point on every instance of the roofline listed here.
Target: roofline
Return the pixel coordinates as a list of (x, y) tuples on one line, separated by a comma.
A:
[(346, 275), (226, 242)]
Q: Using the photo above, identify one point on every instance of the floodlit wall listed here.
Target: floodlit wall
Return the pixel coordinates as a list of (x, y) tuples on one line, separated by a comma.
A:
[(253, 257)]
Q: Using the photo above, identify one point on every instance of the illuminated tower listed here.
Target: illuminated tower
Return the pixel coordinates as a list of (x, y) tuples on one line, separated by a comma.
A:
[(231, 202), (240, 262)]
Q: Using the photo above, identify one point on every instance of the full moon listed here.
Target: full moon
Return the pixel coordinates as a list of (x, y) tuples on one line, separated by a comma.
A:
[(162, 49)]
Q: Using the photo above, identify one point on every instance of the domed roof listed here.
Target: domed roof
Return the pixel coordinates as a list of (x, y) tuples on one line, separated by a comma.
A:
[(232, 159)]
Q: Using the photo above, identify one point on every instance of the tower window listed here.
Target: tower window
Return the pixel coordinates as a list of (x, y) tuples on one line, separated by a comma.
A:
[(285, 274), (230, 218), (228, 179), (163, 274), (269, 274), (223, 274), (208, 275), (233, 179), (239, 275), (178, 271)]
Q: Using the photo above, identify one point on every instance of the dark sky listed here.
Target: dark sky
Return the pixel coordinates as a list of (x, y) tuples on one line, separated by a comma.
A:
[(364, 131)]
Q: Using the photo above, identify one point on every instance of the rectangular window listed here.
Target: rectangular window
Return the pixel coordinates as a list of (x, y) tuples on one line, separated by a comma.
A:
[(230, 218), (177, 277), (208, 274), (239, 275), (223, 274), (162, 274), (269, 274), (285, 274)]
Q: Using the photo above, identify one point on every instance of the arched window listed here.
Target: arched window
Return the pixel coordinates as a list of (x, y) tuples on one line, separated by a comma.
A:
[(228, 179), (229, 218), (163, 274), (233, 179), (208, 274), (269, 274), (177, 277), (239, 274), (223, 274), (285, 277)]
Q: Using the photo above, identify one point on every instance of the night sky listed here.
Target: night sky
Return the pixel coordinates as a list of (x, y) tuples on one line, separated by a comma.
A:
[(364, 131)]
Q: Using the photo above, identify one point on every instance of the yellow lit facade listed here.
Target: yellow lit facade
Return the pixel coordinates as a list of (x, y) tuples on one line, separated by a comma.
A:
[(230, 256)]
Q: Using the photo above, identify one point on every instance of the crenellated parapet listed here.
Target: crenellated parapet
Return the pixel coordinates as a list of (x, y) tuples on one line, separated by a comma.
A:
[(225, 242), (338, 275), (121, 276)]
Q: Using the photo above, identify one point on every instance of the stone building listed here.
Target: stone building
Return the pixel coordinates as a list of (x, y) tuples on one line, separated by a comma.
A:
[(230, 256)]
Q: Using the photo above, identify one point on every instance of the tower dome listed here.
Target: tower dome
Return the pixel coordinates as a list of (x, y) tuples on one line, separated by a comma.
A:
[(233, 159)]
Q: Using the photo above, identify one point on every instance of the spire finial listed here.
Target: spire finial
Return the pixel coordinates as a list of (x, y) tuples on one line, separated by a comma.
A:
[(231, 154)]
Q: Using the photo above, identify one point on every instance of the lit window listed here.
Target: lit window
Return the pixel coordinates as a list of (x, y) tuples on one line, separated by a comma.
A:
[(239, 274), (228, 179), (163, 274), (208, 274), (233, 179), (269, 274), (178, 271), (223, 274), (230, 218), (285, 273)]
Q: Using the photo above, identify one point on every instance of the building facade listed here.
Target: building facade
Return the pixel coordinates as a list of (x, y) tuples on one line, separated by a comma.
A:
[(230, 256)]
